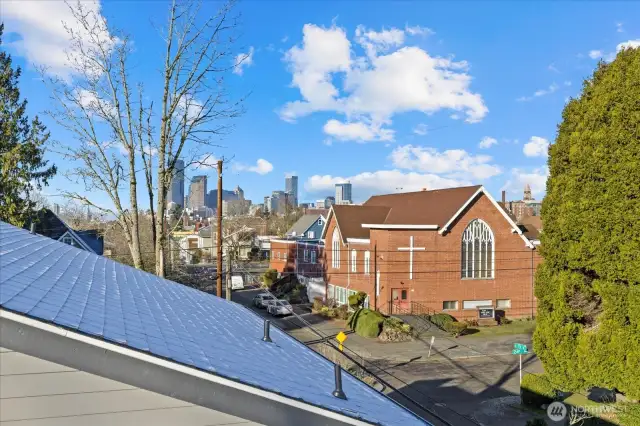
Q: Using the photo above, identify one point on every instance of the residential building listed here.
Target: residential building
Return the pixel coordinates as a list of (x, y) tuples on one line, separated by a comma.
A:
[(528, 206), (303, 258), (50, 225), (447, 250), (343, 193), (291, 188), (197, 192), (176, 188), (86, 340), (309, 226)]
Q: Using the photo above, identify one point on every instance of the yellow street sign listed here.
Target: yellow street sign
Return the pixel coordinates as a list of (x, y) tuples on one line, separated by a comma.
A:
[(341, 337)]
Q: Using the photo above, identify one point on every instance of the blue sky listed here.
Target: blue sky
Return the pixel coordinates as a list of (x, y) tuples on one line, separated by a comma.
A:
[(388, 95)]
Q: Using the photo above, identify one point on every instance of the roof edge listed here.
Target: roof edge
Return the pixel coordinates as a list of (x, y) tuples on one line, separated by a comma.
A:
[(27, 335), (394, 226)]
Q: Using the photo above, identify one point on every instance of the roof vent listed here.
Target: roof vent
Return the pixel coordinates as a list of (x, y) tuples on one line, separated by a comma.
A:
[(338, 393), (33, 228), (266, 337), (424, 189)]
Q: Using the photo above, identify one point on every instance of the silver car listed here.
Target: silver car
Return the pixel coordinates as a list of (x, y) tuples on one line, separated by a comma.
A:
[(280, 307), (263, 299)]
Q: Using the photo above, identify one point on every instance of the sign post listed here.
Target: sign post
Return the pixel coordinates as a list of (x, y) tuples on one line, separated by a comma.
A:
[(520, 349), (341, 337), (433, 338)]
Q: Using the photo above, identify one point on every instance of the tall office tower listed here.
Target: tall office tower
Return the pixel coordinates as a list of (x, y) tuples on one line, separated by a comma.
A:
[(176, 189), (343, 193), (291, 187), (197, 192)]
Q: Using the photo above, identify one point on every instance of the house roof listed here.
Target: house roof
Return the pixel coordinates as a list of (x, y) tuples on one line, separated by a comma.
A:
[(49, 282), (304, 223), (50, 225), (423, 207), (532, 226), (350, 219)]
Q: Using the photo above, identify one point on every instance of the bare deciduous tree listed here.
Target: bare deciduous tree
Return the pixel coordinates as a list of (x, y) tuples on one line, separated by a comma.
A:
[(116, 124)]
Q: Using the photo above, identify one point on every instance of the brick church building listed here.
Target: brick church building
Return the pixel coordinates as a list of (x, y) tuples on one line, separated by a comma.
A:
[(449, 250)]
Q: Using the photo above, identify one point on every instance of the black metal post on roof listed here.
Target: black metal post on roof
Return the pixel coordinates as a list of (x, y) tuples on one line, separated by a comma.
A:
[(267, 326), (338, 393)]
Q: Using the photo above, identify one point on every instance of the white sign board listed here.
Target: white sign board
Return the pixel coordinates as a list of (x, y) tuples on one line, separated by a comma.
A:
[(236, 282)]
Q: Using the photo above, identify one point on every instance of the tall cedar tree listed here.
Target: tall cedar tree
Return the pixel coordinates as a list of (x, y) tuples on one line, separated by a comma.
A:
[(588, 288), (22, 164)]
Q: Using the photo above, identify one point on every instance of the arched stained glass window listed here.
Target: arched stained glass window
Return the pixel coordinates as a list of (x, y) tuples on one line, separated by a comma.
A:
[(477, 251)]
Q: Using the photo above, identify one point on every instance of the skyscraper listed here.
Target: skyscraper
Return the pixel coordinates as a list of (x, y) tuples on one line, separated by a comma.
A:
[(176, 188), (291, 188), (343, 193), (197, 192)]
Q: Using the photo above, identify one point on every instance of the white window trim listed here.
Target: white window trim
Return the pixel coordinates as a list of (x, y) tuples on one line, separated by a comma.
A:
[(367, 262), (311, 234), (306, 255), (465, 252), (354, 261), (335, 249), (314, 257), (503, 307), (476, 303)]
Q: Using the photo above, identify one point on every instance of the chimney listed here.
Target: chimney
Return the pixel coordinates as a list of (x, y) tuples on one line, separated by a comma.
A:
[(504, 197), (424, 189)]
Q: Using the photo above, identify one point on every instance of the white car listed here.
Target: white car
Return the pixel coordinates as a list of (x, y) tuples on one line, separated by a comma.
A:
[(280, 307), (263, 299)]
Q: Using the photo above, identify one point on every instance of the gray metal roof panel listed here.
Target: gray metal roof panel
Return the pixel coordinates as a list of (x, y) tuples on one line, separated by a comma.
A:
[(55, 282)]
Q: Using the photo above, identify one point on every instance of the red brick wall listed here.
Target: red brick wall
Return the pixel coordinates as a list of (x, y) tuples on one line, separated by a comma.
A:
[(294, 261), (437, 270)]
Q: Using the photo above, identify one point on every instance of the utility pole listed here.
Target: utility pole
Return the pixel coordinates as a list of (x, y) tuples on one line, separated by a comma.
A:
[(219, 233)]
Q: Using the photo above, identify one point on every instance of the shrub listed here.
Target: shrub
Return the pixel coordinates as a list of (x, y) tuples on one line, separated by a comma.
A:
[(441, 319), (342, 312), (269, 276), (504, 321), (536, 390), (357, 300), (317, 303), (629, 414), (471, 322), (366, 323), (455, 328), (538, 421), (395, 330), (587, 287)]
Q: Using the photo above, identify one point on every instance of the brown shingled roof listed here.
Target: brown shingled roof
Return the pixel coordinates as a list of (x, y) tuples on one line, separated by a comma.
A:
[(423, 207), (350, 219), (532, 226)]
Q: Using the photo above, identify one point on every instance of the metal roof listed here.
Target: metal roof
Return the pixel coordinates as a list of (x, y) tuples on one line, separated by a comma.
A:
[(56, 283)]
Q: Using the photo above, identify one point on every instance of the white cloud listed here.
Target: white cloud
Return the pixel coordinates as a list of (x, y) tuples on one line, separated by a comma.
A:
[(536, 178), (421, 129), (418, 30), (595, 54), (44, 40), (536, 147), (388, 80), (262, 167), (619, 27), (553, 68), (357, 131), (453, 163), (538, 93), (487, 142), (192, 106), (629, 44), (242, 61), (206, 162), (381, 182), (567, 83)]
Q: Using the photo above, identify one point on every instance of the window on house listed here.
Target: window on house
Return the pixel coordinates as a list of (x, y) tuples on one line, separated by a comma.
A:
[(474, 304), (335, 249), (477, 251), (367, 261), (67, 240), (503, 303), (450, 305), (306, 255), (320, 222), (311, 234), (354, 259), (313, 256)]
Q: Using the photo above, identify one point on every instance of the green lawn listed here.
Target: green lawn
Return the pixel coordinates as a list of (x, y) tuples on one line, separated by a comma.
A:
[(516, 327)]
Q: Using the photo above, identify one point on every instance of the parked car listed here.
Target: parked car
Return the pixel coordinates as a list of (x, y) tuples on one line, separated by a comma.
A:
[(280, 307), (261, 300)]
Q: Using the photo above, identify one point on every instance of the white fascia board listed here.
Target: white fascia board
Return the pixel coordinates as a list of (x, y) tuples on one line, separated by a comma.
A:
[(102, 344), (358, 240), (394, 226), (284, 241)]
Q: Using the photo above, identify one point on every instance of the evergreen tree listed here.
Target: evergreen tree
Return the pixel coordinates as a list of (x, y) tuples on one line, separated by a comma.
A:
[(588, 287), (22, 164)]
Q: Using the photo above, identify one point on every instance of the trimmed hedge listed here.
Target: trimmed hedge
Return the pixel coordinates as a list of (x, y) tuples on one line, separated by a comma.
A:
[(269, 276), (455, 328), (357, 300), (366, 323), (441, 320), (536, 390)]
